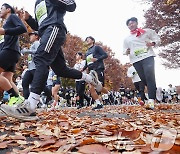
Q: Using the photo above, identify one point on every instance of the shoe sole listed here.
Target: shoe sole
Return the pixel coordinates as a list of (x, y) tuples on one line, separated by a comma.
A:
[(96, 81), (95, 77), (2, 114), (23, 118), (97, 108), (149, 107)]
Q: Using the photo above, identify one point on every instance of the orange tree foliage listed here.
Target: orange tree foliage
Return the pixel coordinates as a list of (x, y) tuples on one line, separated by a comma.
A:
[(115, 72), (164, 17)]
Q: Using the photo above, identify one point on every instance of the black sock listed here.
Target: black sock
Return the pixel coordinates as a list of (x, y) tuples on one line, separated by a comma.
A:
[(12, 93)]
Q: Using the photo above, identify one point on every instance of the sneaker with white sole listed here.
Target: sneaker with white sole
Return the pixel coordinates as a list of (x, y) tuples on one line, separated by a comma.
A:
[(2, 114), (95, 81), (150, 104), (159, 94), (15, 100), (21, 111), (97, 107)]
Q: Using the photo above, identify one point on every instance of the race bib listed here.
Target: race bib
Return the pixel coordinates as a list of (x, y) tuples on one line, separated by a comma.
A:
[(88, 59), (140, 51), (1, 38), (41, 12), (54, 77), (29, 58)]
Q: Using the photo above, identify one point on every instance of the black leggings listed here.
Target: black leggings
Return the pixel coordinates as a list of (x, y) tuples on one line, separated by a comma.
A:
[(26, 82), (145, 70), (80, 89), (140, 87)]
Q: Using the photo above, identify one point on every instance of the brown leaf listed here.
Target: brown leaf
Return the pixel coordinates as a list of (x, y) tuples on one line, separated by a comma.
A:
[(17, 137), (48, 142), (44, 137), (4, 145), (76, 131), (3, 137), (94, 148), (131, 134), (22, 142), (88, 141)]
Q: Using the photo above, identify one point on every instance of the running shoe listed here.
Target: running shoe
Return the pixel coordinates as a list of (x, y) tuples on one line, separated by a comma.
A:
[(20, 111), (95, 81), (15, 100), (150, 104), (97, 107)]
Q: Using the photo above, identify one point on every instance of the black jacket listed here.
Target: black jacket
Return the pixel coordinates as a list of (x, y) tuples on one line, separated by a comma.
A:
[(49, 13), (100, 54), (13, 27)]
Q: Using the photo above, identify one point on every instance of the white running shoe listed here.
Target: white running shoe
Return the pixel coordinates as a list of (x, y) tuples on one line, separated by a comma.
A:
[(150, 104), (159, 94), (2, 114), (20, 111), (95, 81)]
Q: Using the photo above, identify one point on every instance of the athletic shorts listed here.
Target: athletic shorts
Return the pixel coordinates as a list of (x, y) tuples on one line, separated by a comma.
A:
[(56, 80), (100, 74), (9, 59)]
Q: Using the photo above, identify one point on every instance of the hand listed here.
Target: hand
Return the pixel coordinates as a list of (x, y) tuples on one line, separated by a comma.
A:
[(150, 44), (26, 15), (93, 59), (2, 31), (128, 51), (19, 12)]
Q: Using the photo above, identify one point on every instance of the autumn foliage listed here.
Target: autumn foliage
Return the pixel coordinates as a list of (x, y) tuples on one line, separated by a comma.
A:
[(163, 16), (115, 72)]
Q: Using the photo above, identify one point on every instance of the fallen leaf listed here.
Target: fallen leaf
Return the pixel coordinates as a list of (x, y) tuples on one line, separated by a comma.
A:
[(22, 142), (87, 141), (3, 137), (4, 145), (94, 148)]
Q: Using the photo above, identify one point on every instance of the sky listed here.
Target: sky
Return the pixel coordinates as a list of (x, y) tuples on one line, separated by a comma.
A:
[(105, 21)]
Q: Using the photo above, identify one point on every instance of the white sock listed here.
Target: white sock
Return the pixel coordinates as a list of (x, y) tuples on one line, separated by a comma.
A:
[(34, 100), (87, 77), (151, 101), (97, 101)]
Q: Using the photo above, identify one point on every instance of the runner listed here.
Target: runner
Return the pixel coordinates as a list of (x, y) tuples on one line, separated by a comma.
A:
[(139, 85), (80, 84), (10, 51), (94, 61), (49, 16), (139, 46), (29, 74)]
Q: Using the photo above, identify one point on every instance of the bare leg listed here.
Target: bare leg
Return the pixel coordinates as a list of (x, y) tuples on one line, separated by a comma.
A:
[(9, 76), (4, 82), (55, 90)]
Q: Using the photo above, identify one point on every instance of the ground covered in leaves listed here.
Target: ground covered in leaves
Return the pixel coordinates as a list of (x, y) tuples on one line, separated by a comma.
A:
[(111, 130)]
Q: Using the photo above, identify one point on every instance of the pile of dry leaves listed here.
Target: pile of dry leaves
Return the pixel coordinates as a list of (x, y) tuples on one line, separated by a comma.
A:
[(111, 130)]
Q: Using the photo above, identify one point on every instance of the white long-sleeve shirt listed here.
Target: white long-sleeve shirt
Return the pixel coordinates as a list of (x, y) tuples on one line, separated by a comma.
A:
[(132, 73), (79, 66), (137, 45)]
